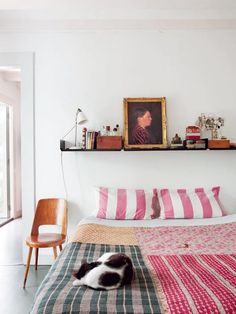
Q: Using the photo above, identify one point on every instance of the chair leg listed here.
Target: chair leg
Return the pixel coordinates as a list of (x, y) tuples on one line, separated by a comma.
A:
[(36, 258), (60, 246), (27, 266), (55, 251)]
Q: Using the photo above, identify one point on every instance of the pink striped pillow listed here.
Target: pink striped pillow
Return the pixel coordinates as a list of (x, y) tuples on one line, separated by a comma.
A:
[(122, 204), (191, 203)]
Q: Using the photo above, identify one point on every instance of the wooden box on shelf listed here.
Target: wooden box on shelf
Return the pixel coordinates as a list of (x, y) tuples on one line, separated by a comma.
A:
[(109, 142), (218, 144)]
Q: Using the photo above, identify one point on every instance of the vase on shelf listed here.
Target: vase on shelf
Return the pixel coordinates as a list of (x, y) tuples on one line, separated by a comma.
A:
[(214, 134)]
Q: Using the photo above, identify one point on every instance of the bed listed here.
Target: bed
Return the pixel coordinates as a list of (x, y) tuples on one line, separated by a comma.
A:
[(181, 266)]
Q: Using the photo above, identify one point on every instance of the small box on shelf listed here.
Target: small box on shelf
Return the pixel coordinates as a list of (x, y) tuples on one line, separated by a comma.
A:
[(219, 144), (196, 144), (176, 145), (64, 145), (109, 142)]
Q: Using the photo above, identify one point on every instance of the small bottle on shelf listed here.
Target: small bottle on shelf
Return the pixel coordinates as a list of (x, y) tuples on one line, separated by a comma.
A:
[(102, 131), (108, 130), (117, 130)]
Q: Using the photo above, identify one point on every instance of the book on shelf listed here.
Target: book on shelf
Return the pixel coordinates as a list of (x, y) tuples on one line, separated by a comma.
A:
[(91, 139)]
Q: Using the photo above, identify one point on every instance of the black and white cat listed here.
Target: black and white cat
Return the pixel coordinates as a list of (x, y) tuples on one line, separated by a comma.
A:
[(110, 271)]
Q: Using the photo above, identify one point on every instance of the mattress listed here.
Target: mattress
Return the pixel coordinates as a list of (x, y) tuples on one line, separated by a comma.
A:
[(180, 267), (160, 222)]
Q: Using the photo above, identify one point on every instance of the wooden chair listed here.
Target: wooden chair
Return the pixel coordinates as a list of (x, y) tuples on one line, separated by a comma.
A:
[(52, 211)]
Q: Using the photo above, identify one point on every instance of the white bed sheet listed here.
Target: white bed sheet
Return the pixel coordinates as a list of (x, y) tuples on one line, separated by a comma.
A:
[(159, 222)]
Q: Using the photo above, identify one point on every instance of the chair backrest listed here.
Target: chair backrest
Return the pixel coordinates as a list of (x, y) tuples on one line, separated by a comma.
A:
[(50, 211)]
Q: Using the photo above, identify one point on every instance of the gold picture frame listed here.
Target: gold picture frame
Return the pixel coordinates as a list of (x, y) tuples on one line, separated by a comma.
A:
[(145, 124)]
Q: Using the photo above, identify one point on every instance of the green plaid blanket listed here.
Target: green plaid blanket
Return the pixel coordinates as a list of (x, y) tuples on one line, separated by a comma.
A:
[(57, 294)]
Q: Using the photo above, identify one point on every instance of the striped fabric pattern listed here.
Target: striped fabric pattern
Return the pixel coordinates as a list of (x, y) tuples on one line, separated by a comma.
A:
[(57, 295), (197, 283), (190, 203), (122, 204)]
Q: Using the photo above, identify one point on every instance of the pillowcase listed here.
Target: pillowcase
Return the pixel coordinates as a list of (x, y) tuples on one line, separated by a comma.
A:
[(122, 204), (190, 203)]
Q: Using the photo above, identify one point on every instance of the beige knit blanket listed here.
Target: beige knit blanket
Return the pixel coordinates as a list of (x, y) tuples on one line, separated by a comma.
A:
[(99, 234)]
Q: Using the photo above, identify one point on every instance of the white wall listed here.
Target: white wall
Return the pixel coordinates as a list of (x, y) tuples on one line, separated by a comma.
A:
[(10, 95), (95, 69)]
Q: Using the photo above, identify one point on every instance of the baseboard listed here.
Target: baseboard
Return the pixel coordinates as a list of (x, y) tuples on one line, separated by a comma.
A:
[(43, 260), (6, 221), (46, 260)]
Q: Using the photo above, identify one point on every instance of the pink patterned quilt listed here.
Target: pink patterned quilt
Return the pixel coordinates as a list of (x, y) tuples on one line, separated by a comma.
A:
[(197, 283), (194, 267), (211, 239)]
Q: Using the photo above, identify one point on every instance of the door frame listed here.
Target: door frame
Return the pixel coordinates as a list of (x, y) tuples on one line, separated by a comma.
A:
[(7, 191), (26, 61)]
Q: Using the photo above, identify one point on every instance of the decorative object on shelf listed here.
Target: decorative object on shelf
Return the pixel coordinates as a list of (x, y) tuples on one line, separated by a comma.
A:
[(145, 123), (84, 131), (64, 145), (193, 132), (79, 119), (117, 130), (108, 130), (176, 142), (211, 122)]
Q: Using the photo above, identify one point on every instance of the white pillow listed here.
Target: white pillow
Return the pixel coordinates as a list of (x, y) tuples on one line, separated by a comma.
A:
[(122, 204), (190, 203)]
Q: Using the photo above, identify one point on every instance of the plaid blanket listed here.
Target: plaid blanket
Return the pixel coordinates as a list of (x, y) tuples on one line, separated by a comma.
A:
[(57, 294), (178, 270)]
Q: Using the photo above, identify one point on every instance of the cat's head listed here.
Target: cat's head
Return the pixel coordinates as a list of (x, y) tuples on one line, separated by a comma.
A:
[(84, 268)]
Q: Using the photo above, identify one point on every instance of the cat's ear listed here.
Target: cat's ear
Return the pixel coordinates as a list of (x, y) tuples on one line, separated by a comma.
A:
[(74, 274)]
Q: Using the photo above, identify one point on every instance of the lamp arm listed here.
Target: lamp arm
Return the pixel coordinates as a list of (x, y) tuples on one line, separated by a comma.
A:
[(68, 132), (76, 125), (76, 122)]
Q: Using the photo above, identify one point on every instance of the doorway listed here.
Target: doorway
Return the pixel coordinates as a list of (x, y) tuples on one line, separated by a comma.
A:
[(10, 143), (25, 61), (4, 163)]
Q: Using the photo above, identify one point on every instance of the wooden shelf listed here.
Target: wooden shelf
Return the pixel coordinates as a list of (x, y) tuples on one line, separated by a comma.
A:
[(231, 148), (90, 150), (138, 149)]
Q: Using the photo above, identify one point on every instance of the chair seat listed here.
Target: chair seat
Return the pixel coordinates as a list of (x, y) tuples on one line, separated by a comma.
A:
[(45, 240)]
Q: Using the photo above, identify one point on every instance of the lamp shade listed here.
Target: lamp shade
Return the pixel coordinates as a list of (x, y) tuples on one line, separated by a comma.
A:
[(80, 117)]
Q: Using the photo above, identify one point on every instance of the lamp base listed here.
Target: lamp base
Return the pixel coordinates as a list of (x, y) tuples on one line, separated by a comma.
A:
[(75, 147)]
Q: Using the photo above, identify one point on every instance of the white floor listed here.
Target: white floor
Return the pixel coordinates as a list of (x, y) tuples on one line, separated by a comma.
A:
[(13, 298), (11, 243)]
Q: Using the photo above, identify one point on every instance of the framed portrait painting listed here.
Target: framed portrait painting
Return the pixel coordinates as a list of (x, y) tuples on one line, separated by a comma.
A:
[(145, 123)]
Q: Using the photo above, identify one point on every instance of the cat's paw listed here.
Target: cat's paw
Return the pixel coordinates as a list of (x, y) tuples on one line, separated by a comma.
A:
[(77, 282)]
